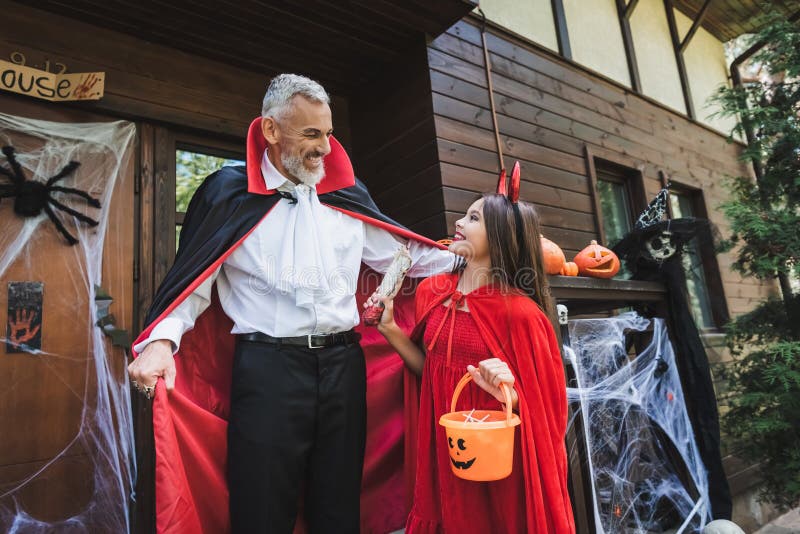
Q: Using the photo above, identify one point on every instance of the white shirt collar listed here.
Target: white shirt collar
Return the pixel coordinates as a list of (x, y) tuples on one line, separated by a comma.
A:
[(274, 179)]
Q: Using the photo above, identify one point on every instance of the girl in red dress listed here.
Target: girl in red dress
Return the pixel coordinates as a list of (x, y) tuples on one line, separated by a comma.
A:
[(487, 318)]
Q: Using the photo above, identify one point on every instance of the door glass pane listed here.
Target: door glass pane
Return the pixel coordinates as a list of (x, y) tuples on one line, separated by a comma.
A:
[(191, 168)]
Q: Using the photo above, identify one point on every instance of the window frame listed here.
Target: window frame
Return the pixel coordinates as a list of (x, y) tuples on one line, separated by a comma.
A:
[(631, 177), (711, 271)]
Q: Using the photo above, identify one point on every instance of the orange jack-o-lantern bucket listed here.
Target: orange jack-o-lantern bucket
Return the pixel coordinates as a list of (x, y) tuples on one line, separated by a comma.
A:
[(480, 442)]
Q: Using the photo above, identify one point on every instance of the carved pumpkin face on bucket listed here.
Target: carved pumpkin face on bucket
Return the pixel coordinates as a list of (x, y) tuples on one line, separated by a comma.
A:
[(459, 449), (597, 261)]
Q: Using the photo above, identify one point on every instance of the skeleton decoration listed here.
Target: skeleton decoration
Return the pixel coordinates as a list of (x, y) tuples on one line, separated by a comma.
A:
[(390, 284), (32, 197), (654, 251), (563, 314), (661, 247)]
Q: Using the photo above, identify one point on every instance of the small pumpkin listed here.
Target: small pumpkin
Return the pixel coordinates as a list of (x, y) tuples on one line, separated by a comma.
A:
[(570, 268), (597, 261), (553, 256)]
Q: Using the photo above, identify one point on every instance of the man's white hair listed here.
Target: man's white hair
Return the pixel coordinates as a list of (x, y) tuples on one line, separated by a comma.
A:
[(281, 90)]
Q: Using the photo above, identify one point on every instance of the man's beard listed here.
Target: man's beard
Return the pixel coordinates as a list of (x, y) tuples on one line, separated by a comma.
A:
[(293, 164)]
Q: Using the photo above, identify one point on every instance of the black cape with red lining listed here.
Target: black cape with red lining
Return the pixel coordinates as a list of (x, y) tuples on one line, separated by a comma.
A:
[(190, 423)]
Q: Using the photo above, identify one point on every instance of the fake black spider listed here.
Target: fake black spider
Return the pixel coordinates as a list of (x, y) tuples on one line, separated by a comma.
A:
[(31, 197)]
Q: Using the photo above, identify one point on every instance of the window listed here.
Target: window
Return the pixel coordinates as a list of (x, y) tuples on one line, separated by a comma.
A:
[(615, 205), (703, 283), (618, 194), (192, 165)]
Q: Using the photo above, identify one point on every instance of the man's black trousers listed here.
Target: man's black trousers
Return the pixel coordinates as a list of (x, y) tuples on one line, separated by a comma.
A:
[(297, 429)]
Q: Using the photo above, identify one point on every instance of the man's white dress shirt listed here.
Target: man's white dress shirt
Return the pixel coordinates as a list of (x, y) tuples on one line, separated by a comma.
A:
[(297, 272)]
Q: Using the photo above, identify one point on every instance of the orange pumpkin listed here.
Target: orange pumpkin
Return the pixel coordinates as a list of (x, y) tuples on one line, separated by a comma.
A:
[(597, 261), (553, 256), (570, 268)]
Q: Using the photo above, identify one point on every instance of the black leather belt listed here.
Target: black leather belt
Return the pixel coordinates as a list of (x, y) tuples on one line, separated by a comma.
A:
[(311, 341)]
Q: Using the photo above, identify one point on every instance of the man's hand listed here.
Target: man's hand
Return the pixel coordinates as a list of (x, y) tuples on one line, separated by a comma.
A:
[(155, 361)]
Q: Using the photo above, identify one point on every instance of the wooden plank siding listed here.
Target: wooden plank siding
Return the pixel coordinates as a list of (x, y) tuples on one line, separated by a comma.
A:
[(143, 80), (394, 145), (147, 81), (549, 111), (341, 44)]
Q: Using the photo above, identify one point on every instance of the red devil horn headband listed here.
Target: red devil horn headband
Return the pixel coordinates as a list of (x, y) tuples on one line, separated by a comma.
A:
[(513, 187), (512, 191), (501, 183)]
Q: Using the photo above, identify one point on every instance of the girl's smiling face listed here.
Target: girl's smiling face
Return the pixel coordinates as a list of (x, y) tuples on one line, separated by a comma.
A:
[(470, 241)]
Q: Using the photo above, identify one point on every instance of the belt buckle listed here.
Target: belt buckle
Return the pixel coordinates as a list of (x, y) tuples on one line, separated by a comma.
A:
[(311, 345)]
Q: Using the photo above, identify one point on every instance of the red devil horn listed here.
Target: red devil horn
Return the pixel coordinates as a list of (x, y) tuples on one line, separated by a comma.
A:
[(513, 193), (501, 183)]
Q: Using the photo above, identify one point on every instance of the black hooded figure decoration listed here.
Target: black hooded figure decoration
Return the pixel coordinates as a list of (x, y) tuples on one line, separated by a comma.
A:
[(652, 251)]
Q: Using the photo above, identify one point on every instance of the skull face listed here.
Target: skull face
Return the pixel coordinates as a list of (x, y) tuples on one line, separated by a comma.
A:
[(661, 247), (563, 314)]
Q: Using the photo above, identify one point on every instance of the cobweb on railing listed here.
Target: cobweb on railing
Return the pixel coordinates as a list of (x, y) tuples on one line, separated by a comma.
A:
[(645, 470)]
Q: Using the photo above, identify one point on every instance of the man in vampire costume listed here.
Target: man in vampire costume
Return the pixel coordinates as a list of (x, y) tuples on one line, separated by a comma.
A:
[(252, 330)]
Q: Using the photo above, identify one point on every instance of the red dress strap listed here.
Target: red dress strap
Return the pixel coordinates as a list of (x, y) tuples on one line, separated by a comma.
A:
[(455, 301)]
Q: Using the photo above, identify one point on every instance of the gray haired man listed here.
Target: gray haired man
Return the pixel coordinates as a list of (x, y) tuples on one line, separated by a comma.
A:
[(281, 242)]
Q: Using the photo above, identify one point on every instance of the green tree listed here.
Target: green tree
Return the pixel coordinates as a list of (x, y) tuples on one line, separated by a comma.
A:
[(191, 169), (763, 419)]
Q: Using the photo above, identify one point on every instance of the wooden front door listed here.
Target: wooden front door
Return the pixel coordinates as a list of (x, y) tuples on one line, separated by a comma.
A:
[(65, 435)]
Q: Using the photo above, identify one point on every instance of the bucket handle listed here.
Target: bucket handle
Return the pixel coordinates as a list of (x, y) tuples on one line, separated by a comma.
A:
[(465, 380)]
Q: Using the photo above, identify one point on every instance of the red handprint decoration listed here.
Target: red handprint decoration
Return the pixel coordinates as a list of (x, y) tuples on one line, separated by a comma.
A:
[(21, 329), (24, 321)]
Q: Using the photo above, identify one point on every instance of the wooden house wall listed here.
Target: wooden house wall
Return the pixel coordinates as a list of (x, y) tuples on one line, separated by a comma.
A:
[(395, 146), (549, 112), (145, 81)]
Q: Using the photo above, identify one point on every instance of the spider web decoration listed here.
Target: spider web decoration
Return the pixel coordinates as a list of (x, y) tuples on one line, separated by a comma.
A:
[(644, 464), (70, 468), (32, 197), (654, 211)]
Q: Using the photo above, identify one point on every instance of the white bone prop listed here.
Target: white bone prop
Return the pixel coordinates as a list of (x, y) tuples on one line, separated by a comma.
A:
[(390, 284)]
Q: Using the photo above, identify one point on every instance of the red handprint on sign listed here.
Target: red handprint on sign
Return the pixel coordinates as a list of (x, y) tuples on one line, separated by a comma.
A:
[(82, 90), (20, 329)]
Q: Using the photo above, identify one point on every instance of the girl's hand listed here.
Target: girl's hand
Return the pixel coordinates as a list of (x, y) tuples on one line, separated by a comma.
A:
[(387, 318), (490, 374)]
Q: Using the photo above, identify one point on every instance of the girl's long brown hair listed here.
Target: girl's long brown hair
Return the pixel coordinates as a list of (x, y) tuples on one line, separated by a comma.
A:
[(514, 263)]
